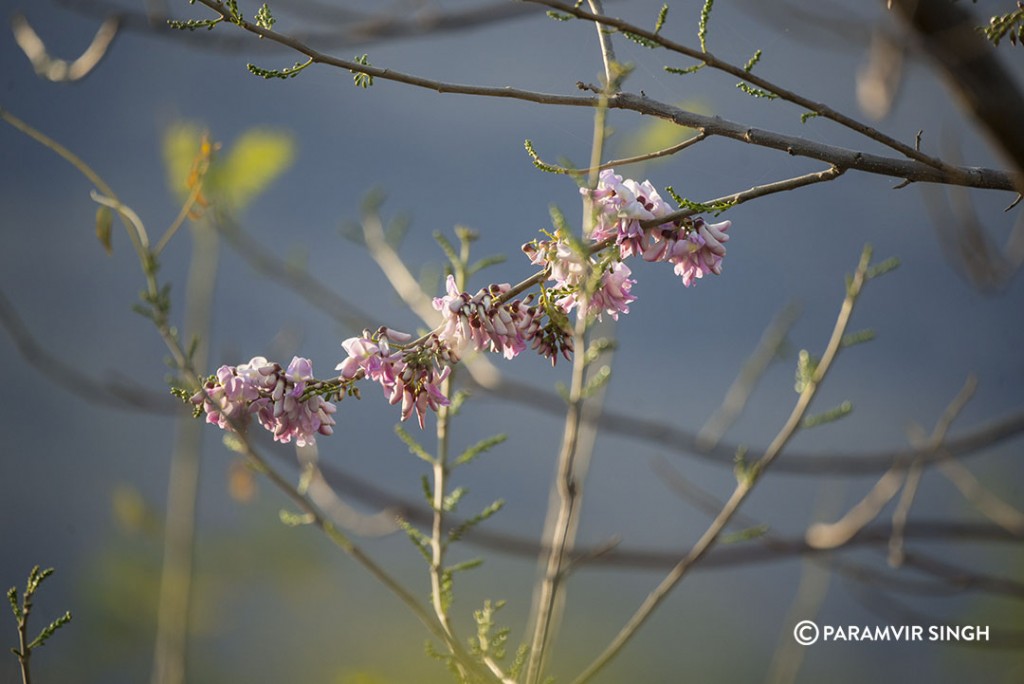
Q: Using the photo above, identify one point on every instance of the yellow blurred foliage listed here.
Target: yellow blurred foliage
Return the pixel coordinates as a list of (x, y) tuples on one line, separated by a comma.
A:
[(236, 176)]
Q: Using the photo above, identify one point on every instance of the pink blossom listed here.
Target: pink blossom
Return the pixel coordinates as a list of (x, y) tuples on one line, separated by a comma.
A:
[(700, 252), (273, 394), (619, 207), (483, 323), (410, 376), (613, 296)]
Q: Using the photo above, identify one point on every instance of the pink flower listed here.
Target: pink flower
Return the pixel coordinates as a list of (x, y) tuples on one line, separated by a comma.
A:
[(700, 252), (273, 394), (619, 206), (613, 296), (410, 376), (479, 321)]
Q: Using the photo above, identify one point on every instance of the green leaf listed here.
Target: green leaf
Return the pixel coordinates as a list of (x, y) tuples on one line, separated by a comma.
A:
[(456, 533), (597, 381), (662, 15), (193, 24), (485, 262), (49, 630), (418, 539), (880, 269), (414, 447), (360, 78), (104, 224), (449, 249), (480, 447), (806, 365), (465, 565), (745, 535), (858, 337), (756, 92), (702, 27), (752, 61), (451, 501), (830, 416), (538, 162)]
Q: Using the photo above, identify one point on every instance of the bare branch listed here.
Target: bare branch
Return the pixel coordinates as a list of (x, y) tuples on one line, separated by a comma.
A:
[(841, 158), (59, 70)]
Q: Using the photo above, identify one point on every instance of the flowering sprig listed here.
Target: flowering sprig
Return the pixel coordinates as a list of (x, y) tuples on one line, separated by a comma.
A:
[(692, 245), (276, 396), (589, 278), (412, 376)]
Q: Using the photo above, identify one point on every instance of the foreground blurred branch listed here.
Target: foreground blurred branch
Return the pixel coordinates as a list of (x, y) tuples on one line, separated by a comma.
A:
[(970, 66), (59, 70)]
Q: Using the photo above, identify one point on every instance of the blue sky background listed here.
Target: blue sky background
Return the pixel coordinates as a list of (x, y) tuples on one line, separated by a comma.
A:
[(278, 603)]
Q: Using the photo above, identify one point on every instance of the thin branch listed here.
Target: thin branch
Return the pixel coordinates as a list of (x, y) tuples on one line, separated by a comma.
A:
[(768, 349), (745, 483), (59, 70), (124, 395), (611, 67), (842, 158), (899, 516), (739, 72), (566, 484), (266, 262), (637, 558), (336, 27), (626, 161), (833, 535), (984, 500), (978, 78)]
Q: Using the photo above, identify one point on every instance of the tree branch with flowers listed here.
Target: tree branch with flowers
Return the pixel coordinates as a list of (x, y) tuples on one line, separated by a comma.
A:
[(574, 278)]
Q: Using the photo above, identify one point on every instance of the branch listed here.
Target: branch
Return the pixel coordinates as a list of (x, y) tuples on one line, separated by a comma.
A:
[(342, 29), (747, 477), (836, 156), (985, 88), (744, 74)]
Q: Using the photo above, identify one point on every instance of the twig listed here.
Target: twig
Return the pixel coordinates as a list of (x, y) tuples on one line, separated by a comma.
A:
[(739, 72), (987, 503), (934, 442), (59, 70), (745, 483), (833, 535), (768, 349), (307, 286), (176, 574), (913, 169), (121, 395), (566, 484), (340, 28), (626, 161)]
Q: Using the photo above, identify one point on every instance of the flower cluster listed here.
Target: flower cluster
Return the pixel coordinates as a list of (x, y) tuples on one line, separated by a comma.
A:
[(589, 278), (481, 322), (273, 394), (571, 270), (410, 376), (597, 283), (693, 246), (486, 323)]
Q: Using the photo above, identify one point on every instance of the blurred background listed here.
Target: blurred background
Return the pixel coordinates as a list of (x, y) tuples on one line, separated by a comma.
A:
[(85, 477)]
